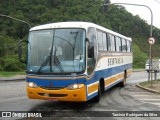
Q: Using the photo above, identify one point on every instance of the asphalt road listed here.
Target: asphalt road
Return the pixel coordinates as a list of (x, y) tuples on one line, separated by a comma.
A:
[(13, 97)]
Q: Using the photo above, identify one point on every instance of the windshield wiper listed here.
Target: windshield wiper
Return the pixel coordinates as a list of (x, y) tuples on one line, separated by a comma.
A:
[(46, 61), (57, 62)]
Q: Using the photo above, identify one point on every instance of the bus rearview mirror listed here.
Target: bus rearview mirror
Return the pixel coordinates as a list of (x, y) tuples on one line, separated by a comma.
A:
[(22, 51)]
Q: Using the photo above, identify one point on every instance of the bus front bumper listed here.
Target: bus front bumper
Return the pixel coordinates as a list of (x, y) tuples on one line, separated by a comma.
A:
[(76, 95)]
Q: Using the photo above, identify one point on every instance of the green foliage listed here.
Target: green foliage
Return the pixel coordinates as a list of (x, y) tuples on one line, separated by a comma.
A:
[(7, 46), (139, 57), (11, 63), (36, 12)]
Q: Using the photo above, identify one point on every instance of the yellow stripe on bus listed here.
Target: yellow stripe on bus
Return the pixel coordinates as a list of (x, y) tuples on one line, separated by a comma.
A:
[(108, 81), (93, 88), (129, 72), (112, 79)]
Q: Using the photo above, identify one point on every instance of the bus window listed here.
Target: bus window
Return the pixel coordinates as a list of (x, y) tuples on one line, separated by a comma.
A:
[(118, 44), (92, 35), (128, 46), (104, 42), (124, 46), (100, 41), (112, 43), (109, 42)]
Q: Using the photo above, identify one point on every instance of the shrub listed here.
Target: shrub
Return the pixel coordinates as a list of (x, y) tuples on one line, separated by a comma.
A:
[(12, 64), (139, 58)]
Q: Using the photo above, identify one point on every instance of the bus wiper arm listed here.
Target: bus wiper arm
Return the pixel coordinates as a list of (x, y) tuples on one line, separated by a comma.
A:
[(46, 61), (58, 63)]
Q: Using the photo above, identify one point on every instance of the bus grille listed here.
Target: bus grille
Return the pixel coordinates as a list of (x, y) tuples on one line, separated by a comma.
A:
[(51, 88), (52, 95)]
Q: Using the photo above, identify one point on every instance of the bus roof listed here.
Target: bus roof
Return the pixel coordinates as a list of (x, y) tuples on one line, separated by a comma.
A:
[(75, 24)]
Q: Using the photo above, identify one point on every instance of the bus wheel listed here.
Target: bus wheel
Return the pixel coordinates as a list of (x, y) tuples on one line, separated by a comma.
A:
[(97, 98), (123, 83)]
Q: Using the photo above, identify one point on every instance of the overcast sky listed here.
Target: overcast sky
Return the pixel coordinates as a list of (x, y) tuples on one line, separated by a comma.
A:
[(143, 12)]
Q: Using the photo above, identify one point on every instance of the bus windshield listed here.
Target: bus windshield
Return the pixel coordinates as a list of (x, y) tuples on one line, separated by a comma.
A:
[(56, 51)]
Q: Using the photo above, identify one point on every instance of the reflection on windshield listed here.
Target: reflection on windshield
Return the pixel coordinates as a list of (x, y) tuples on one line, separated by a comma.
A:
[(56, 51)]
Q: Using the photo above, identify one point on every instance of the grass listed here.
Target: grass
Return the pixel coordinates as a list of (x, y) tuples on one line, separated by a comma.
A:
[(138, 68), (155, 84), (9, 74)]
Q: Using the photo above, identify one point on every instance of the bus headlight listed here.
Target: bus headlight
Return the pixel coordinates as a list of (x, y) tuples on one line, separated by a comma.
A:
[(32, 85), (74, 86)]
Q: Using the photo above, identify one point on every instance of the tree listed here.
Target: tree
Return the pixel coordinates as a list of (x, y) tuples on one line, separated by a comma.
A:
[(38, 12)]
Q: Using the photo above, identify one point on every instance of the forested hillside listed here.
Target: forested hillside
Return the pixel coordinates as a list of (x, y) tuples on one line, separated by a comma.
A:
[(37, 12)]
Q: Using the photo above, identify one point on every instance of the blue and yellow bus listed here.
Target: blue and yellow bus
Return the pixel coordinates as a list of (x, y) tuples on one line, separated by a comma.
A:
[(75, 61)]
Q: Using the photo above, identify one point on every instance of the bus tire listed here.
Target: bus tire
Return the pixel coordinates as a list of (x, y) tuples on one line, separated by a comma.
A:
[(97, 98), (123, 83)]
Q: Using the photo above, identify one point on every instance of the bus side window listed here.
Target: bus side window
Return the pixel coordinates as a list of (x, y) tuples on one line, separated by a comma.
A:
[(107, 40), (118, 44), (111, 43), (128, 46), (100, 40), (104, 42), (124, 46)]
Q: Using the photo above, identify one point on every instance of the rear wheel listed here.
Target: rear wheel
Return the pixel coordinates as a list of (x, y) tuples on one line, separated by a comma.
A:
[(123, 83)]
